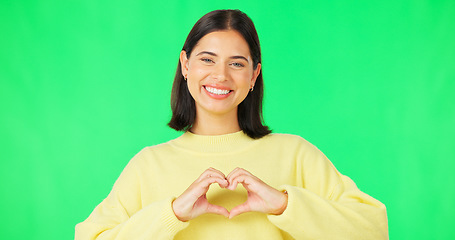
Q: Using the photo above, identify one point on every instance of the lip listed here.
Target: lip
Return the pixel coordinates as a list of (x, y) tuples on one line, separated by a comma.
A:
[(216, 96), (217, 86)]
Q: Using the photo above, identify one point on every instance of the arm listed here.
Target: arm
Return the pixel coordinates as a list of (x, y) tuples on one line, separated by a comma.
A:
[(122, 216), (351, 215), (320, 202), (325, 204)]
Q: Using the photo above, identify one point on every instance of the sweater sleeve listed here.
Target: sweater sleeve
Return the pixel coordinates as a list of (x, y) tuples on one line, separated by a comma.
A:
[(122, 216), (325, 204)]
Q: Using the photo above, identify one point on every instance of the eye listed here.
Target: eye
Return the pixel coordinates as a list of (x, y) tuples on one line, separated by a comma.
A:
[(207, 60), (237, 64)]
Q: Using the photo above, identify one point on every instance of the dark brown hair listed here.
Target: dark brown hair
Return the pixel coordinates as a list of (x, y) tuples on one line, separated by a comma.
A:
[(250, 110)]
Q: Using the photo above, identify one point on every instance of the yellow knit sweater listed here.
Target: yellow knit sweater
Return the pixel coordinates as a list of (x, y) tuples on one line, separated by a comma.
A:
[(322, 203)]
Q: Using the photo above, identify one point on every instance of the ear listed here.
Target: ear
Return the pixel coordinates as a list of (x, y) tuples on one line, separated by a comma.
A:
[(184, 63), (256, 73)]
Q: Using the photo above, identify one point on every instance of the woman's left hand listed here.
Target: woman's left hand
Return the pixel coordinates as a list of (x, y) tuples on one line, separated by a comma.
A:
[(261, 197)]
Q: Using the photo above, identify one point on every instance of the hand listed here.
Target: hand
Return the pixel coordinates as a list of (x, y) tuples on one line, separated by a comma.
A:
[(261, 197), (193, 202)]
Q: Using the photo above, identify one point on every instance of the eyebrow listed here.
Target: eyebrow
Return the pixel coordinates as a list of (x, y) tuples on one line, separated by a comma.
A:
[(215, 55)]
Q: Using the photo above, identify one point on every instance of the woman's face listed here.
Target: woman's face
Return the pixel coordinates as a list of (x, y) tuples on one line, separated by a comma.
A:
[(219, 72)]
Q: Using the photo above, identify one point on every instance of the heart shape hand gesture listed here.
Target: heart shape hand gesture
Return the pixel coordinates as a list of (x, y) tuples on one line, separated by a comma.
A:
[(261, 197)]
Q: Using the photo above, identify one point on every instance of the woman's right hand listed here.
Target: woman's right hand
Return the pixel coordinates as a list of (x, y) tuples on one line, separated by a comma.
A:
[(193, 202)]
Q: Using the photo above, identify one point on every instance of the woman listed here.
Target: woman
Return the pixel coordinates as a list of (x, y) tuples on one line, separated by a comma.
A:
[(227, 177)]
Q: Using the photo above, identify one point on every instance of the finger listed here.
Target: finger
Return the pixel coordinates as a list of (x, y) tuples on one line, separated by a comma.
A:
[(245, 180), (205, 183), (217, 210), (212, 172), (237, 171), (221, 180), (224, 184), (232, 172), (218, 171), (243, 208), (201, 187), (234, 175), (268, 199)]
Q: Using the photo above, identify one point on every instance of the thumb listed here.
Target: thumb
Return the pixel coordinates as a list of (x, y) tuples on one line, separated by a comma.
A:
[(242, 208), (217, 210)]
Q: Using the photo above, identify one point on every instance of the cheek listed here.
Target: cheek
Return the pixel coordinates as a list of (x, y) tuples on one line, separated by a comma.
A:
[(193, 87), (244, 78), (192, 83), (198, 73)]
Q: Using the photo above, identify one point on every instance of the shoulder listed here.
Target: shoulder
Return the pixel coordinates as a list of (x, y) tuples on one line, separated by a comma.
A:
[(293, 143), (151, 152), (286, 139)]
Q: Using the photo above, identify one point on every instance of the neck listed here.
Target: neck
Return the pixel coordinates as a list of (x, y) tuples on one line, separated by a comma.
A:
[(215, 124)]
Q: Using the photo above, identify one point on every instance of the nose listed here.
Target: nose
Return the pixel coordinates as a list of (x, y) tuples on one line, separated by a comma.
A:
[(220, 72)]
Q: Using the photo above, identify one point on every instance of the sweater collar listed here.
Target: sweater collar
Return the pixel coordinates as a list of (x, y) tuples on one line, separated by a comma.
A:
[(231, 142)]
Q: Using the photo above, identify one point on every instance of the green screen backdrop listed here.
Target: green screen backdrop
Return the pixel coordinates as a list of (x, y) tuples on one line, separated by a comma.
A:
[(86, 84)]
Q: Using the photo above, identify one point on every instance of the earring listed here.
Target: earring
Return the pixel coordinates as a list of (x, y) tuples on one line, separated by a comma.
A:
[(185, 78), (252, 88)]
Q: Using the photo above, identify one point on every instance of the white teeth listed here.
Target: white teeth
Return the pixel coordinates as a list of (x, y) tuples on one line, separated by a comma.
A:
[(217, 91)]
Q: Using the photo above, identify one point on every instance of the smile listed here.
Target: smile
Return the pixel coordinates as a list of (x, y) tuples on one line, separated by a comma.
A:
[(216, 91)]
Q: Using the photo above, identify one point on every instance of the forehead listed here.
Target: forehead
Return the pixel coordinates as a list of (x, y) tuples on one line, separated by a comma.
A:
[(223, 42)]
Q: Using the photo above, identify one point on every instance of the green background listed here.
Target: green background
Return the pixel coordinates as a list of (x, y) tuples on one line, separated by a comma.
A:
[(86, 84)]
